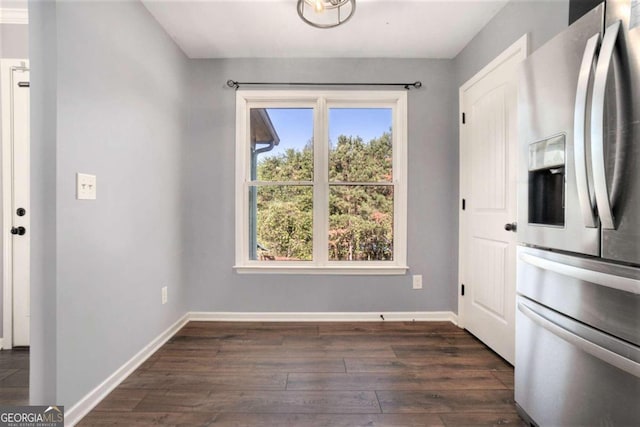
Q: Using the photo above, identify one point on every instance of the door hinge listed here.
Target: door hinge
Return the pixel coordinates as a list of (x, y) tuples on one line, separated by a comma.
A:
[(464, 118), (462, 290), (464, 204)]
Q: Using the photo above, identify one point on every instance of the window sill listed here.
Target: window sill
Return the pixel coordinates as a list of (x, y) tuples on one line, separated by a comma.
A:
[(329, 270)]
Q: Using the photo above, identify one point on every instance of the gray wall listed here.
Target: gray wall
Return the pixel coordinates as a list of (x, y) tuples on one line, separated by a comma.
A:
[(43, 334), (541, 19), (210, 193), (433, 175), (118, 109)]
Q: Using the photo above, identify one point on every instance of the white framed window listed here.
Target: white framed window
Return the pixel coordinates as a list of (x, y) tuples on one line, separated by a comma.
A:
[(321, 182)]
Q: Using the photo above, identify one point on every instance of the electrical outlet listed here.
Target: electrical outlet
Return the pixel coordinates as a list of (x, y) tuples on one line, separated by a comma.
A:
[(164, 294), (85, 186), (417, 281)]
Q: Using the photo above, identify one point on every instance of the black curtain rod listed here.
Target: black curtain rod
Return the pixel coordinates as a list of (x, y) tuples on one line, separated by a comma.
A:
[(236, 85)]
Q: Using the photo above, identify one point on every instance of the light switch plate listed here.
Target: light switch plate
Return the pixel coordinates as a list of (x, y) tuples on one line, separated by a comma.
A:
[(85, 186)]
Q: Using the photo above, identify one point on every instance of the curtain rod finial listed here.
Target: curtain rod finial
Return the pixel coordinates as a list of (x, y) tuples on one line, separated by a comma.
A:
[(233, 84), (415, 85)]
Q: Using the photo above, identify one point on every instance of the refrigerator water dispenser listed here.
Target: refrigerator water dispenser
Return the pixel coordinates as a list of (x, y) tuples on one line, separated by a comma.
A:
[(547, 181)]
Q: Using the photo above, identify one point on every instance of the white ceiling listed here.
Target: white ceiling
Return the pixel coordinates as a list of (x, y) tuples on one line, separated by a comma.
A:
[(272, 28)]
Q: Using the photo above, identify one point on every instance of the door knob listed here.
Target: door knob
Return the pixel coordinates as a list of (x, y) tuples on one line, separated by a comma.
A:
[(511, 226), (18, 230)]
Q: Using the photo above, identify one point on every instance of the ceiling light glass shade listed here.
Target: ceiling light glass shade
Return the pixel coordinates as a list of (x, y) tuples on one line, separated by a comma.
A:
[(326, 13)]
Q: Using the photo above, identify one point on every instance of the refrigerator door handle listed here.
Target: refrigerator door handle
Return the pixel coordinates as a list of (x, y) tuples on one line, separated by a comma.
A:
[(585, 192), (603, 200), (620, 283), (607, 356)]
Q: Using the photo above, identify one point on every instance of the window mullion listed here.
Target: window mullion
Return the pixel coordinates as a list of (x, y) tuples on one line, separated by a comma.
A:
[(321, 187)]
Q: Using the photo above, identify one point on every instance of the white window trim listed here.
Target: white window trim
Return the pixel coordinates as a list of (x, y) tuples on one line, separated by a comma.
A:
[(321, 101)]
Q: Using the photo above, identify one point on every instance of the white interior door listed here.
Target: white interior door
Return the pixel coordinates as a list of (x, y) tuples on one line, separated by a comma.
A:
[(21, 209), (16, 209), (488, 186)]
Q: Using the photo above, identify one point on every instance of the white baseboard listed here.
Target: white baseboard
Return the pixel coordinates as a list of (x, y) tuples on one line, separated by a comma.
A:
[(91, 400), (364, 316)]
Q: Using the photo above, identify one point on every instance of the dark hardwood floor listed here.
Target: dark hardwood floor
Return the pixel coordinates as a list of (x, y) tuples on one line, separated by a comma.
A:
[(14, 377), (316, 374)]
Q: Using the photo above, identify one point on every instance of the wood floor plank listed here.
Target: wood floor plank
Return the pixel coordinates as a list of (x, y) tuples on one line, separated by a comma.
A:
[(338, 402), (20, 378), (436, 380), (4, 373), (506, 378), (429, 343), (425, 351), (145, 419), (175, 351), (265, 340), (479, 419), (359, 328), (205, 382), (12, 396), (121, 400), (14, 359), (375, 340), (316, 353), (248, 364), (193, 343), (210, 333), (184, 364), (436, 360), (306, 329), (446, 401), (326, 420)]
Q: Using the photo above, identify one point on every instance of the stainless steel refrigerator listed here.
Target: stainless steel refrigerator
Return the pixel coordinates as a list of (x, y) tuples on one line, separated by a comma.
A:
[(578, 304)]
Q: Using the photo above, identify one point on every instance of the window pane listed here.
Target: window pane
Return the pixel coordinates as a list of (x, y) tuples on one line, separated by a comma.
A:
[(361, 223), (281, 223), (360, 145), (281, 144)]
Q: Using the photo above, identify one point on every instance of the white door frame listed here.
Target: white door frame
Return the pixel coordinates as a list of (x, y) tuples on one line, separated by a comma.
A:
[(519, 48), (6, 84)]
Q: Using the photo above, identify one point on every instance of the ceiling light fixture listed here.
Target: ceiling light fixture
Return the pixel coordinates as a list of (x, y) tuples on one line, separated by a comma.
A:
[(326, 13)]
